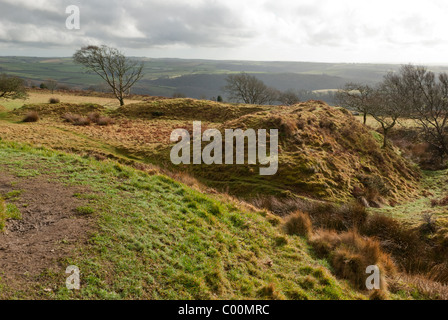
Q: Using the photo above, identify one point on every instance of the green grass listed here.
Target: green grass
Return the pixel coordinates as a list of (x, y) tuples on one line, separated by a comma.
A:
[(8, 211), (158, 239), (433, 186), (86, 210), (12, 104)]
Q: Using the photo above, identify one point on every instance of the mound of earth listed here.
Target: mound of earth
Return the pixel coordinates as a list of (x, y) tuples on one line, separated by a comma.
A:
[(324, 153), (59, 109), (187, 109)]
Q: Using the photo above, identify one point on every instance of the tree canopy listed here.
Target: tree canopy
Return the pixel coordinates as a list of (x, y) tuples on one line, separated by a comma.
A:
[(119, 72)]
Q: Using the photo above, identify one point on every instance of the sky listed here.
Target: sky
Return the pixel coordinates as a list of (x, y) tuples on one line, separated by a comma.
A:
[(353, 31)]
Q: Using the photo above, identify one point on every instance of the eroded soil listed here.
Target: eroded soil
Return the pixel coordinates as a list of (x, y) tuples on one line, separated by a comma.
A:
[(50, 228)]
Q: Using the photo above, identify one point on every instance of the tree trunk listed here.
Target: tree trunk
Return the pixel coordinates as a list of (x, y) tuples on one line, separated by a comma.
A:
[(365, 118), (385, 132)]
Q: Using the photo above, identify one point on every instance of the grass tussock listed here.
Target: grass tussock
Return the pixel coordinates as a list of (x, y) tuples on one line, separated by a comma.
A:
[(53, 100), (270, 292), (404, 243), (299, 224), (350, 254), (32, 116)]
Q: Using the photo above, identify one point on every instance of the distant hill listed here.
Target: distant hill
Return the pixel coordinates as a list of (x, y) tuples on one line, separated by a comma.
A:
[(200, 78)]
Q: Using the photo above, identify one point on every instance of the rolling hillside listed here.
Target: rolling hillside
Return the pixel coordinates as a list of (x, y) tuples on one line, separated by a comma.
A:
[(200, 78)]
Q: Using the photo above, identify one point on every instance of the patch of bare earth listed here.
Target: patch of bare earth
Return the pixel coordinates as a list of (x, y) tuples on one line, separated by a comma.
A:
[(49, 231)]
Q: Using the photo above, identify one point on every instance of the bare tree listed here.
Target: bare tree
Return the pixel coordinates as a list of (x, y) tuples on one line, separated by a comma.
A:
[(249, 89), (388, 103), (289, 97), (356, 97), (119, 72), (12, 87), (429, 101), (51, 85)]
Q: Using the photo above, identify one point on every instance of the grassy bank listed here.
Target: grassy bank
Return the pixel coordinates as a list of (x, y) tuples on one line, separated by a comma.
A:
[(154, 238)]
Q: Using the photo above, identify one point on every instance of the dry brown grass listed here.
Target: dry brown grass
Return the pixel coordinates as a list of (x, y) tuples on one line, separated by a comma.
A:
[(270, 292), (37, 97), (280, 207), (337, 217), (350, 254), (404, 243), (439, 273), (299, 224), (417, 284), (413, 145)]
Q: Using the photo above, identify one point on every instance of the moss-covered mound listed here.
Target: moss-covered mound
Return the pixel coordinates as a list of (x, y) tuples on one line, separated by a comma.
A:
[(324, 153), (187, 109)]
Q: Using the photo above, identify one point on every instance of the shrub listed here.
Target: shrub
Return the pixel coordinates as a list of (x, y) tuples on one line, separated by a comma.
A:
[(94, 117), (81, 121), (32, 116), (105, 121), (429, 224), (76, 119), (54, 100), (299, 224), (68, 117), (100, 120)]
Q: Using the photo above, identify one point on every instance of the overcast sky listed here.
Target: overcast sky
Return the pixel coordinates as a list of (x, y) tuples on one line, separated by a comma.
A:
[(393, 31)]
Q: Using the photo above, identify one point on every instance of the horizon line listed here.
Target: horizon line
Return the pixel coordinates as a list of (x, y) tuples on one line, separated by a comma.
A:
[(245, 60)]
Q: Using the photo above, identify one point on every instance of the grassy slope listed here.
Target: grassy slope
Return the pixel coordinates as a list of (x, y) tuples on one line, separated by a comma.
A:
[(433, 187), (324, 153), (158, 239)]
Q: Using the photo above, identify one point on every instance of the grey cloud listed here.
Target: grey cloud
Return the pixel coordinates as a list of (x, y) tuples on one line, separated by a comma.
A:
[(157, 23)]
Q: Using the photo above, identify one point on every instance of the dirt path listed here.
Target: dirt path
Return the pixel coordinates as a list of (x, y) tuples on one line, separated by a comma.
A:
[(49, 230)]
